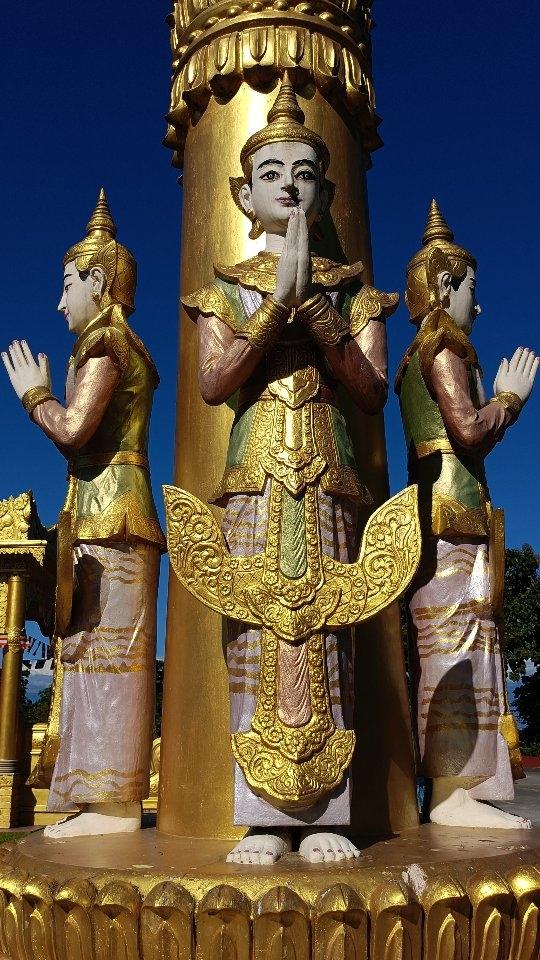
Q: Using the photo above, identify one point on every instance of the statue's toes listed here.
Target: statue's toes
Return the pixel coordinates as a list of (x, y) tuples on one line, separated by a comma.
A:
[(327, 848), (257, 849)]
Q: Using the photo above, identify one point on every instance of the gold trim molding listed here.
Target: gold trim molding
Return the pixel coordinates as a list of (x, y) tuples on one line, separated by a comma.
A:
[(218, 46)]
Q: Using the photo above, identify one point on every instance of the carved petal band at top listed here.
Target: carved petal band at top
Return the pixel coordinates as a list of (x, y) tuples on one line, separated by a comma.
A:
[(217, 46)]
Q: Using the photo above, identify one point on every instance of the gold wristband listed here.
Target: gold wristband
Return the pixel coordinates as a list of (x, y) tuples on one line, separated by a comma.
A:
[(510, 401), (324, 322), (265, 325), (33, 397)]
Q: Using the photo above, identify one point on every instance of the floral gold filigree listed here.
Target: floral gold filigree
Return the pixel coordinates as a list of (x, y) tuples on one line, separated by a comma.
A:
[(370, 304), (259, 272), (293, 767), (218, 46), (15, 517)]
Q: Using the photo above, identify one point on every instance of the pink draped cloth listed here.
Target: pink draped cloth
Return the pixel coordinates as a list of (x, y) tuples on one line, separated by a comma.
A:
[(458, 673), (108, 689)]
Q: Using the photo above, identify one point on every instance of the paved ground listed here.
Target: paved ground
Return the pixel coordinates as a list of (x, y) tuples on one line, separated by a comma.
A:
[(527, 800)]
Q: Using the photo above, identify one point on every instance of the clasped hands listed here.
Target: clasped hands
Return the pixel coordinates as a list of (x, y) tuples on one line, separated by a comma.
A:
[(293, 274), (517, 375), (23, 371)]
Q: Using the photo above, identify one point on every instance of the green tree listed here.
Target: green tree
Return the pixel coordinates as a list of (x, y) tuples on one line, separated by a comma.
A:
[(42, 706), (522, 639), (521, 610), (527, 702)]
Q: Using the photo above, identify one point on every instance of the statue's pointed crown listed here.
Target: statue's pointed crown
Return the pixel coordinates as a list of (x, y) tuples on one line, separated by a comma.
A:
[(438, 252), (437, 234), (100, 248), (436, 226), (285, 123), (101, 223)]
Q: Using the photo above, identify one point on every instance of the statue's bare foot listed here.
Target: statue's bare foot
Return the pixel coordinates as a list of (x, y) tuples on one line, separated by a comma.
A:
[(98, 819), (327, 848), (260, 848), (460, 810)]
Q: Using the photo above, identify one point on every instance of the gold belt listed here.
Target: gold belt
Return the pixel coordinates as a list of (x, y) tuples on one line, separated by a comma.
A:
[(432, 446), (109, 459)]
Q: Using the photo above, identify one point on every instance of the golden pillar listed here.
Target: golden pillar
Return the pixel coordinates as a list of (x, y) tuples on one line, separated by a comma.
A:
[(22, 554), (11, 675), (227, 59)]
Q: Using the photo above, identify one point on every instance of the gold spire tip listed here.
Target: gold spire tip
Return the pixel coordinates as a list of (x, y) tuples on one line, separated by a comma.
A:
[(436, 226), (286, 106), (101, 223)]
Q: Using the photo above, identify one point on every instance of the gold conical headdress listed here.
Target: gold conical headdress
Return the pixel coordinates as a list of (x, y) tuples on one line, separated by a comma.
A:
[(285, 124), (437, 238), (100, 248), (436, 226), (101, 223)]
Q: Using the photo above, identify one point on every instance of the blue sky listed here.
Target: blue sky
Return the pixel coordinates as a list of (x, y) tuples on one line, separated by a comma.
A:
[(84, 93)]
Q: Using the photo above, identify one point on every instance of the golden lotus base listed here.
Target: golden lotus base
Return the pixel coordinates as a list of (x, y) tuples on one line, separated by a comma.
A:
[(432, 893)]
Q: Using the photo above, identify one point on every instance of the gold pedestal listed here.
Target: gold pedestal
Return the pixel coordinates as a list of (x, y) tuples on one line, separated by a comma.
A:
[(430, 894), (10, 788)]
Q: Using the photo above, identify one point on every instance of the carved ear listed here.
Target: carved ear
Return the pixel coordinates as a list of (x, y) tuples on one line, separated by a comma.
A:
[(236, 184), (98, 275)]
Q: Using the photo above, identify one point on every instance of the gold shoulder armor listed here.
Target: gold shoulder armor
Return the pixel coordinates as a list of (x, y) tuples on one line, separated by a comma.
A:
[(105, 341), (209, 300), (439, 332), (368, 304)]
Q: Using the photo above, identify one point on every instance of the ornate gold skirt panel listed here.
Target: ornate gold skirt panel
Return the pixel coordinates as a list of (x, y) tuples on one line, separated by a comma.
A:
[(292, 767)]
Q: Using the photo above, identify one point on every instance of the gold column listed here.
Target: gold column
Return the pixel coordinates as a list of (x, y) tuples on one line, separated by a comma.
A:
[(11, 675), (227, 51)]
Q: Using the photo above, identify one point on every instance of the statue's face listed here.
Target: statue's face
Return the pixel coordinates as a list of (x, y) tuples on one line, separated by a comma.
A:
[(285, 175), (461, 299), (80, 297)]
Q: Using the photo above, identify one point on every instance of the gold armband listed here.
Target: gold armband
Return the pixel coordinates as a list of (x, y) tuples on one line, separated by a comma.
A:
[(33, 397), (265, 325), (325, 323), (510, 401)]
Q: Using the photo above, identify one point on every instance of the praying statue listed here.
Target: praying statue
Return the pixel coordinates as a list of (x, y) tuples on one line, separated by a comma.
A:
[(109, 537), (467, 738), (279, 333)]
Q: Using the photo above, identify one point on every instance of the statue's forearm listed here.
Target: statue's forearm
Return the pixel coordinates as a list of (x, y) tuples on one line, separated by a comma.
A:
[(358, 362), (475, 430), (366, 383), (222, 373), (226, 359), (70, 427)]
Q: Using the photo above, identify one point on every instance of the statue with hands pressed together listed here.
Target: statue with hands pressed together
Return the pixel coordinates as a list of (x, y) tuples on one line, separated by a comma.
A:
[(109, 537), (468, 742), (282, 330)]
